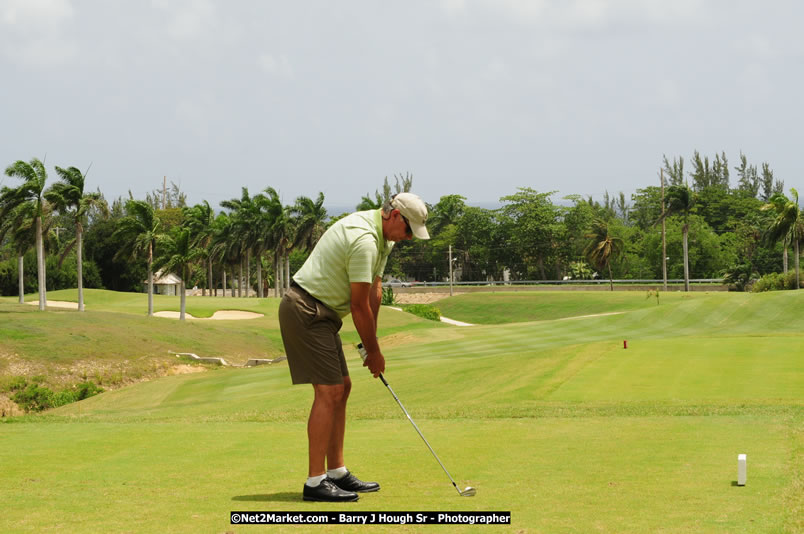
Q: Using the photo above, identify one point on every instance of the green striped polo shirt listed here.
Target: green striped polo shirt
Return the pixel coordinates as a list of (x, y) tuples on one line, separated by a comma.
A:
[(351, 250)]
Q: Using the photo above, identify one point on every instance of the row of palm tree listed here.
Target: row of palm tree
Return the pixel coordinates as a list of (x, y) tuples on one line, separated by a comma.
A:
[(25, 210), (252, 226)]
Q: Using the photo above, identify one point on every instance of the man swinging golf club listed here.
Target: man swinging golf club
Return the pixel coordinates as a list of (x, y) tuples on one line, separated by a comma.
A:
[(342, 275)]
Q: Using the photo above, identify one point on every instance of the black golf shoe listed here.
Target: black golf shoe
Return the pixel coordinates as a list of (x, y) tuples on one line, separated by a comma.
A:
[(352, 483), (327, 491)]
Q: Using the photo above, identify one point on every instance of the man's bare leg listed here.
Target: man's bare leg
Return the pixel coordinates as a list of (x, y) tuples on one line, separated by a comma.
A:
[(321, 424), (335, 448)]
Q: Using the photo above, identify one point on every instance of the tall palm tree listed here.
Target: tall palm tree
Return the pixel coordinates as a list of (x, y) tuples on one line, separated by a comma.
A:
[(787, 226), (680, 200), (68, 196), (225, 249), (603, 247), (281, 234), (31, 192), (19, 225), (139, 229), (176, 254), (245, 214), (310, 216), (200, 221)]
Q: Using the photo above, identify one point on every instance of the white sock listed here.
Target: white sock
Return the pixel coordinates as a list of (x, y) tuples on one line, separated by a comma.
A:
[(313, 482), (340, 472)]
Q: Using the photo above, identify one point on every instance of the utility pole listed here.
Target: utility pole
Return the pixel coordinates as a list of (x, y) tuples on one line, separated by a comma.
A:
[(450, 270), (164, 192), (664, 240)]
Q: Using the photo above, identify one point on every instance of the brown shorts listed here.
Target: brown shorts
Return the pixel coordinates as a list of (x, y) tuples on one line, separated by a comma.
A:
[(312, 344)]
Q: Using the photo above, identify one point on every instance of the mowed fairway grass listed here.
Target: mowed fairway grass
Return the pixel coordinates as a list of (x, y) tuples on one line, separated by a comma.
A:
[(544, 413)]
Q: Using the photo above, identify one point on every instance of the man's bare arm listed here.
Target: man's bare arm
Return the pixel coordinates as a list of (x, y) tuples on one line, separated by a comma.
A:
[(365, 321)]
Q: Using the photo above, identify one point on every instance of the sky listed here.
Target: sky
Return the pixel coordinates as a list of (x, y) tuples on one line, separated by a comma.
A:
[(470, 97)]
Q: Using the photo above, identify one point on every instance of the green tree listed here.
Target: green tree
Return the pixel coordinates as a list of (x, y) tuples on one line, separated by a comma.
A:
[(176, 255), (225, 250), (200, 220), (674, 170), (19, 225), (748, 179), (448, 210), (68, 197), (681, 200), (603, 248), (30, 192), (249, 232), (534, 226), (310, 221), (139, 231), (787, 226), (403, 185), (281, 234)]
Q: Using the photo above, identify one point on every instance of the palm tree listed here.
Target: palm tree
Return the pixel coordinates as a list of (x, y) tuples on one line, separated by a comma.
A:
[(602, 247), (280, 234), (31, 192), (176, 254), (200, 221), (245, 216), (19, 224), (67, 194), (680, 199), (140, 229), (310, 217), (225, 249), (787, 226)]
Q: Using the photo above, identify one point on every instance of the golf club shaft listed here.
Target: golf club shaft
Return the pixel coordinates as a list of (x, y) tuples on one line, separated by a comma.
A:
[(412, 422), (363, 355)]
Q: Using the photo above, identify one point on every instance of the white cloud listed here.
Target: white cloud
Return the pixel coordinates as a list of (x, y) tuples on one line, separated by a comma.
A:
[(31, 32), (197, 112), (33, 14), (579, 14), (188, 19), (276, 66)]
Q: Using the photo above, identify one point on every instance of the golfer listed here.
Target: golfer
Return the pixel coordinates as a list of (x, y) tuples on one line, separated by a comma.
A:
[(342, 275)]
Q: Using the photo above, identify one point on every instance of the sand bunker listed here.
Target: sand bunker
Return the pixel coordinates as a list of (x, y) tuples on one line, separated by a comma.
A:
[(56, 304), (222, 315)]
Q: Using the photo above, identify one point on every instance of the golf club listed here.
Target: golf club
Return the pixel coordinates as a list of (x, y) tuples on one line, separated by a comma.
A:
[(469, 491)]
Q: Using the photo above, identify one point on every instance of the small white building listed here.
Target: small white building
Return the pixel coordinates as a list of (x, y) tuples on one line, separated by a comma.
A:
[(165, 284)]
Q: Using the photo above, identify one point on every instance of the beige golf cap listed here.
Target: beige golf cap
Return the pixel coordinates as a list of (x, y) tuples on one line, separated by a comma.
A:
[(414, 210)]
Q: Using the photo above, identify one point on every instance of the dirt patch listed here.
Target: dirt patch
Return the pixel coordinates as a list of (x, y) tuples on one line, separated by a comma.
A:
[(184, 369), (56, 304), (227, 315), (9, 408), (420, 298), (395, 340)]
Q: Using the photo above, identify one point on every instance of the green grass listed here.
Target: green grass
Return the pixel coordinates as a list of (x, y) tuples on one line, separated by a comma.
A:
[(116, 340), (548, 417)]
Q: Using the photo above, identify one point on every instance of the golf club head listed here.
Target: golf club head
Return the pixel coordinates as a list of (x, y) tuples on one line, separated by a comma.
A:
[(468, 492)]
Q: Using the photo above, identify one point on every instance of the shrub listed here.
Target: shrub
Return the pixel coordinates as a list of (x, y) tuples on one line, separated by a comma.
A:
[(769, 282), (388, 298), (790, 279), (426, 311), (34, 397)]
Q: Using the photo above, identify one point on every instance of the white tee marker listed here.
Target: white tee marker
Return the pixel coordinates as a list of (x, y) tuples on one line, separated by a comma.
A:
[(741, 470)]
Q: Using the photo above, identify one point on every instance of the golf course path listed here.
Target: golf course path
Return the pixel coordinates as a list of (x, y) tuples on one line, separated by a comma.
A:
[(443, 319), (454, 322), (221, 315)]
